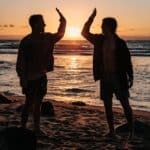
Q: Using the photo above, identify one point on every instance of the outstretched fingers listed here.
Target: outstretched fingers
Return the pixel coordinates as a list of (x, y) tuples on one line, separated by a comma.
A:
[(60, 14), (94, 13)]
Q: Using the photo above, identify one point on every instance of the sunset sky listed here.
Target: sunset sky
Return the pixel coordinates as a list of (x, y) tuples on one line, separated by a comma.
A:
[(133, 16)]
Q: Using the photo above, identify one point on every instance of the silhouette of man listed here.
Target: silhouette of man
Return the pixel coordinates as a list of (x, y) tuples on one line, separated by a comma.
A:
[(112, 66), (35, 59)]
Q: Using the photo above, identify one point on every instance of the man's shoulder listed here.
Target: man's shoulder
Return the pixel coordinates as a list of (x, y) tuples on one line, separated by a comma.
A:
[(99, 39), (26, 38), (119, 39), (98, 35), (121, 43), (47, 34), (25, 41)]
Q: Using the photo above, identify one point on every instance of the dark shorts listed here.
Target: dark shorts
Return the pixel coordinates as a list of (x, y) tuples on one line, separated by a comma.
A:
[(36, 87), (113, 86)]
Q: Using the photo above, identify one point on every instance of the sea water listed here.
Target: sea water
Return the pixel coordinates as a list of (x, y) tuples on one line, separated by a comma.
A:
[(72, 78)]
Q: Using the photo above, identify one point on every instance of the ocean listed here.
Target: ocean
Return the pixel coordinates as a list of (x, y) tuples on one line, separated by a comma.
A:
[(72, 78)]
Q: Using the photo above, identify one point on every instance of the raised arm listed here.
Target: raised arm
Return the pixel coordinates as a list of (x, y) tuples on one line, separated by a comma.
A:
[(61, 29), (86, 28)]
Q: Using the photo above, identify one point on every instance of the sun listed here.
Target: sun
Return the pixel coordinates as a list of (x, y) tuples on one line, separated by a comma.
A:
[(73, 32)]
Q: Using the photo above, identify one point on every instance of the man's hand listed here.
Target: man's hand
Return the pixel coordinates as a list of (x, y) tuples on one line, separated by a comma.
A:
[(130, 82), (93, 14), (62, 18), (23, 82)]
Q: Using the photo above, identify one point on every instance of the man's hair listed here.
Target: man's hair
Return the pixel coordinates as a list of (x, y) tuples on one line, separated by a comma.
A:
[(34, 19), (111, 22)]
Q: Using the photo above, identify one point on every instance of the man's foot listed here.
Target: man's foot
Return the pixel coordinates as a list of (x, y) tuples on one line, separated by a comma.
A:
[(23, 126), (110, 135), (40, 133), (131, 135)]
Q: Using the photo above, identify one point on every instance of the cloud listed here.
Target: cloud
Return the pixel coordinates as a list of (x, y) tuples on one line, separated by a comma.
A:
[(7, 25), (127, 30), (11, 25), (131, 29)]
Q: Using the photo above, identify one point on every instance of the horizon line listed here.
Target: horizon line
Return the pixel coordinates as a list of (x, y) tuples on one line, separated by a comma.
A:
[(19, 37)]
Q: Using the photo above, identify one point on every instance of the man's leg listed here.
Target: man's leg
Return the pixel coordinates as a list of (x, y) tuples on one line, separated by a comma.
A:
[(41, 89), (106, 96), (25, 111), (109, 115), (36, 113), (129, 115)]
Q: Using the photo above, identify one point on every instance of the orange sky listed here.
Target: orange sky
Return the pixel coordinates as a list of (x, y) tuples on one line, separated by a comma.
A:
[(132, 15)]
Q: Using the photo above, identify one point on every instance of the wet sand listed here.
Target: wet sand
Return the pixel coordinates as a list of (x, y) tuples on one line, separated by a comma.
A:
[(80, 127)]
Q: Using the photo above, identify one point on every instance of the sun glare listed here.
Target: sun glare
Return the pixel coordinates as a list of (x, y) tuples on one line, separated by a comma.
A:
[(73, 32)]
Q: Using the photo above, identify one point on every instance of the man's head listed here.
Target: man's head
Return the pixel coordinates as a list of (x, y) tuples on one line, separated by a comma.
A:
[(109, 25), (37, 23)]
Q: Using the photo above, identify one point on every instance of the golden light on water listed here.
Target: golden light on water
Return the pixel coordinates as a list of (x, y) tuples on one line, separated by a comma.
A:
[(73, 62)]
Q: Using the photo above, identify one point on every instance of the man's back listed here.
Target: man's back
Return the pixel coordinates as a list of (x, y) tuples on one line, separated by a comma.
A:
[(35, 59), (37, 54)]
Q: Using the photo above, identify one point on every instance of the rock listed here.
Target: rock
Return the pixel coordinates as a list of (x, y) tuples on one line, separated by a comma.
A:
[(47, 109), (2, 62), (78, 103), (14, 138), (9, 93), (4, 99)]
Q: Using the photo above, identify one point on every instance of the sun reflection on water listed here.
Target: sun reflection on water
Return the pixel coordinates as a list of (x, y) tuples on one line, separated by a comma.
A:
[(73, 63)]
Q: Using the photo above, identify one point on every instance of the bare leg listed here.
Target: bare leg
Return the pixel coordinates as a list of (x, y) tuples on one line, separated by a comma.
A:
[(129, 116), (109, 115), (25, 111)]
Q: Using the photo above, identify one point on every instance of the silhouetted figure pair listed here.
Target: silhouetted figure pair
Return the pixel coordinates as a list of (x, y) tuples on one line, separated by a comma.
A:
[(35, 59), (112, 66)]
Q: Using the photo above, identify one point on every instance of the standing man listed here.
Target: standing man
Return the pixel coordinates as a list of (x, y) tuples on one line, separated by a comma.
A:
[(112, 66), (35, 59)]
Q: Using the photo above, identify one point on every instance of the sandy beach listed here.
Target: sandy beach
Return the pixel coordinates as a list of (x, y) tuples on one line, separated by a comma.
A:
[(80, 127)]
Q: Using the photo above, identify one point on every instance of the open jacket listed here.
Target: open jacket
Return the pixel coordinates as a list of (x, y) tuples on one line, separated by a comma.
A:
[(123, 58)]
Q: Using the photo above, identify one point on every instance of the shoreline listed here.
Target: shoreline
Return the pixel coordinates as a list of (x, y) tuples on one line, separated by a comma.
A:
[(80, 53), (80, 127), (116, 108), (14, 97)]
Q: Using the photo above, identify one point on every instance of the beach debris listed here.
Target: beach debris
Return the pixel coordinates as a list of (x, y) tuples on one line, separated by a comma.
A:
[(14, 138), (4, 99), (77, 90), (79, 103), (47, 109)]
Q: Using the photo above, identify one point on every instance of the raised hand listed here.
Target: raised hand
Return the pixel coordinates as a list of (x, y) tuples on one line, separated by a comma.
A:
[(62, 18), (93, 13)]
